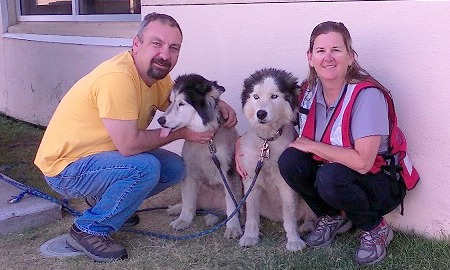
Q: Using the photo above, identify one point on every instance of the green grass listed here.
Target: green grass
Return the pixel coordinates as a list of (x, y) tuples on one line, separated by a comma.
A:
[(19, 143)]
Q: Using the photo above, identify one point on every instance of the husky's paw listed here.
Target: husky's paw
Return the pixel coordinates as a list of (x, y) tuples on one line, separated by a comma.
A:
[(295, 245), (211, 219), (179, 224), (306, 227), (174, 210), (233, 233), (247, 241)]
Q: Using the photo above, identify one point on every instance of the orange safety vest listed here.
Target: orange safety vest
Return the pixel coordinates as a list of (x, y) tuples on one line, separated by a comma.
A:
[(396, 162)]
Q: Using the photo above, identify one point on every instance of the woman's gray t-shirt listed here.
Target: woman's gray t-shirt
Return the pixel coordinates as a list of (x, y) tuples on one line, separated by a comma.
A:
[(369, 116)]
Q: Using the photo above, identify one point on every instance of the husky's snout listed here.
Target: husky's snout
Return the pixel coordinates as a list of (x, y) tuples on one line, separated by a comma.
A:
[(164, 130), (261, 114), (162, 121)]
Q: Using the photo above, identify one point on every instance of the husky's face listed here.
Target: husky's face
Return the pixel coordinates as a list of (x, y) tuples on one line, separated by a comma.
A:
[(193, 104), (270, 98)]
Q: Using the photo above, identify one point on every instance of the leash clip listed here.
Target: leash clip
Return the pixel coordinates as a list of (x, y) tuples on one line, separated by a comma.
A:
[(212, 147), (18, 198), (265, 153)]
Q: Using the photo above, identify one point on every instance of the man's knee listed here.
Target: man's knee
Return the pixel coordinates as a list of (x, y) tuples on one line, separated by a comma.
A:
[(173, 169), (178, 172), (147, 167)]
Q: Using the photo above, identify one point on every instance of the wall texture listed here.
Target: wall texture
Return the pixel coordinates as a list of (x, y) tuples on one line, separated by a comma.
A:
[(3, 24), (39, 74), (402, 43)]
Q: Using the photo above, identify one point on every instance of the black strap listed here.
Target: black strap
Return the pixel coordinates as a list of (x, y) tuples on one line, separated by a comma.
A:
[(392, 169), (303, 110)]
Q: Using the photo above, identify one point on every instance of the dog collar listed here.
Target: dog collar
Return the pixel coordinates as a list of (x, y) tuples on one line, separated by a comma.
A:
[(274, 137)]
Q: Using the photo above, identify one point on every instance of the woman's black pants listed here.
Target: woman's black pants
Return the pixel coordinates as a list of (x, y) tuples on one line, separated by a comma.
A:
[(331, 188)]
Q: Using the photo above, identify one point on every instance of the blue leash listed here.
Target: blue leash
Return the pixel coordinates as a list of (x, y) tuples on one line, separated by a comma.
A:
[(32, 191), (210, 230), (65, 206)]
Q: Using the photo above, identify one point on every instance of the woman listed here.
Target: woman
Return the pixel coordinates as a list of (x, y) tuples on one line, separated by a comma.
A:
[(345, 162), (344, 133)]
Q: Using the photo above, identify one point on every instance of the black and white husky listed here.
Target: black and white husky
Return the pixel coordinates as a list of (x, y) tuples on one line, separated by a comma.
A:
[(194, 105), (270, 102)]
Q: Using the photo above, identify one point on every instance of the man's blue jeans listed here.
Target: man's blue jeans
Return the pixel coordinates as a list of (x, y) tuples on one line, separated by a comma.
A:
[(121, 183)]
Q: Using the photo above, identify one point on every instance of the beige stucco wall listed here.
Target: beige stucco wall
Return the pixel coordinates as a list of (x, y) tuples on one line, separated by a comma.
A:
[(40, 61), (3, 94), (39, 74), (3, 22), (402, 43)]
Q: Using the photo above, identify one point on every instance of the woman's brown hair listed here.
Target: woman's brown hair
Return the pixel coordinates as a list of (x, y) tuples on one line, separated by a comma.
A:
[(355, 73)]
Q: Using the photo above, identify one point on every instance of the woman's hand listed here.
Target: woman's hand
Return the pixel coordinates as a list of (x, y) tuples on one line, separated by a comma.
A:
[(303, 144), (237, 158), (360, 158)]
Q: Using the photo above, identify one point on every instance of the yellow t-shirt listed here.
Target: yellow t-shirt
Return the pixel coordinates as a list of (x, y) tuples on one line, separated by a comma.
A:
[(112, 90)]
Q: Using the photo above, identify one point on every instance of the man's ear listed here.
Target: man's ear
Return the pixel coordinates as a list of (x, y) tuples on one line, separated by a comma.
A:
[(136, 43)]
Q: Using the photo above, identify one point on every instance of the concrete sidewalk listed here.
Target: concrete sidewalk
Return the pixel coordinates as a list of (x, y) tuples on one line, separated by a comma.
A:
[(31, 211)]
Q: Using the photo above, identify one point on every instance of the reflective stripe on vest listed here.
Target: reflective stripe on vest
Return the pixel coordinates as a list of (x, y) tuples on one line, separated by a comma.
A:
[(336, 131)]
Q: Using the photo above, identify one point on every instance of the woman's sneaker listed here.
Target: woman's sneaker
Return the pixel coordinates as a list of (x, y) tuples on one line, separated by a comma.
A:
[(326, 229), (374, 244), (98, 248)]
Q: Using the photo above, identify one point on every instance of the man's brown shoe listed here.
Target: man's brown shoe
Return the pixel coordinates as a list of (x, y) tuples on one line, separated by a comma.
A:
[(98, 248)]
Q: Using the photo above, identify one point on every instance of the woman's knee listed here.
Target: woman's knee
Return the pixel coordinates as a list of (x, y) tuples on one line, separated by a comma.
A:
[(293, 160), (331, 179), (285, 160)]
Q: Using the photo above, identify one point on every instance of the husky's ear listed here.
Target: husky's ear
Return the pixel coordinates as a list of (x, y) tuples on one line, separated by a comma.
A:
[(216, 90)]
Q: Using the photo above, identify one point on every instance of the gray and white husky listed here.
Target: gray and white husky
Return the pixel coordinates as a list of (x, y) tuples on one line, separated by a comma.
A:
[(270, 102), (194, 105)]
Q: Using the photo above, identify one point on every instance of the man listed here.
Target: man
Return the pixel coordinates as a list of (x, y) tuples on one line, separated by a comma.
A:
[(96, 143)]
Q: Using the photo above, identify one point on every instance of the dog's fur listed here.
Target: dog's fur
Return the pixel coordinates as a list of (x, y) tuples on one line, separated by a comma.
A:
[(270, 102), (194, 105)]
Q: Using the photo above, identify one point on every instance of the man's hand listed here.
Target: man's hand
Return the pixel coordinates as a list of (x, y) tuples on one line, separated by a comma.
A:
[(129, 140), (228, 114), (198, 137)]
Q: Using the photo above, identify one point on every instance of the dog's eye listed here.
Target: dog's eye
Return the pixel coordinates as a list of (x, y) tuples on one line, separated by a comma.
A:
[(255, 96), (181, 104), (274, 96)]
